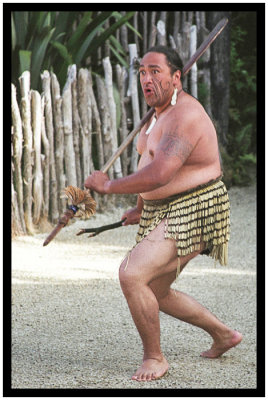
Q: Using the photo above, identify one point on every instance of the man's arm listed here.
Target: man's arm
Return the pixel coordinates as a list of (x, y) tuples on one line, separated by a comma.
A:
[(172, 151), (133, 215)]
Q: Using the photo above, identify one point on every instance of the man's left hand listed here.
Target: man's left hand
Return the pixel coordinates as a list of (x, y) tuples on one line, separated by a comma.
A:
[(98, 182)]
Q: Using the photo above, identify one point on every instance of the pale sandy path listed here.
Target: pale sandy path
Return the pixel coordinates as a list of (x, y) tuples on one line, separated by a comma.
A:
[(71, 324)]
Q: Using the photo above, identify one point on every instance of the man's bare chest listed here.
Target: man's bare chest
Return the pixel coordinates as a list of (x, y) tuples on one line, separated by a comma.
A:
[(149, 143)]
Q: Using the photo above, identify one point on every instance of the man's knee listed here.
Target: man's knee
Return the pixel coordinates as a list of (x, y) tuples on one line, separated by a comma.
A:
[(127, 276)]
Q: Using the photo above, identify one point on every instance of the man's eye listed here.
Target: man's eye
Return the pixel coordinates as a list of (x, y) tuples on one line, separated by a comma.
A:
[(155, 71), (142, 72)]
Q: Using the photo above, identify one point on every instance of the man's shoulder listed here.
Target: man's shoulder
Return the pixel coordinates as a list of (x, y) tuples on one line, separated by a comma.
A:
[(188, 119), (190, 106), (186, 113)]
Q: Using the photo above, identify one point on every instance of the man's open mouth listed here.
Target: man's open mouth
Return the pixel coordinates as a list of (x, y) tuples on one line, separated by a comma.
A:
[(148, 91)]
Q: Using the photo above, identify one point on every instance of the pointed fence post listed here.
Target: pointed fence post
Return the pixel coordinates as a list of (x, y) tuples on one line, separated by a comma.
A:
[(27, 149), (37, 167), (17, 141), (112, 108), (53, 202), (193, 40), (134, 102)]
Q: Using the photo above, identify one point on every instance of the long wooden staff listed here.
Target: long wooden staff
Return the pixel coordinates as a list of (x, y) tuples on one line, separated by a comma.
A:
[(84, 196)]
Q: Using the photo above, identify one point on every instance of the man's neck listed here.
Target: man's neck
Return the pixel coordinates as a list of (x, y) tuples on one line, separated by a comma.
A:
[(160, 110)]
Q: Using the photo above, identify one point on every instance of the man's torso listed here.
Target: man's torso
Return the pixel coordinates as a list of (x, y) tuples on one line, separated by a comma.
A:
[(203, 163)]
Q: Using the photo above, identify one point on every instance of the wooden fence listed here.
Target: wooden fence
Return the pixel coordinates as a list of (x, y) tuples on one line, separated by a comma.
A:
[(58, 139)]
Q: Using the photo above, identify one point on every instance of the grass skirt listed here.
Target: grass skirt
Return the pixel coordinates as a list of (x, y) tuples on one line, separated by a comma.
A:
[(200, 214)]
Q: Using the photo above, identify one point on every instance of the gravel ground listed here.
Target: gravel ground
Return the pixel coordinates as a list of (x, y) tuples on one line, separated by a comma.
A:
[(71, 327)]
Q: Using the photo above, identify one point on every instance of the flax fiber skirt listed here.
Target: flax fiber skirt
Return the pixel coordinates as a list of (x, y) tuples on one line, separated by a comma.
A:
[(200, 214)]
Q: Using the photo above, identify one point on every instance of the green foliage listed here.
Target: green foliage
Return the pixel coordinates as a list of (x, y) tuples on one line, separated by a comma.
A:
[(242, 111), (25, 60), (54, 40), (202, 92)]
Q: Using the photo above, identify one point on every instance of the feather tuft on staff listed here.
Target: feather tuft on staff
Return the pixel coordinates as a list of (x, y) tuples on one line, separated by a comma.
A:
[(83, 199), (80, 203)]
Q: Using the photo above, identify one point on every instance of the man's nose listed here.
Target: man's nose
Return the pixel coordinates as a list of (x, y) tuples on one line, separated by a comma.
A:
[(146, 78)]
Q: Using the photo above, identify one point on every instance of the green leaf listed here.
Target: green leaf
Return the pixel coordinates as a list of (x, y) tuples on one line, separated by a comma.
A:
[(234, 115), (105, 35), (61, 74), (25, 60), (39, 51), (117, 55), (63, 21), (13, 33), (59, 36), (48, 20), (251, 109), (21, 25), (117, 45), (33, 30), (117, 15), (249, 158), (63, 51), (41, 21), (243, 133), (93, 28), (97, 21), (74, 40)]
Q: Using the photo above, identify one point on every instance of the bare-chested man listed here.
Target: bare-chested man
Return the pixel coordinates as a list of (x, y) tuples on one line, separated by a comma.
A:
[(182, 208)]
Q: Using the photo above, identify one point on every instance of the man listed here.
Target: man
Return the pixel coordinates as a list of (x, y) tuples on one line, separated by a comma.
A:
[(182, 208)]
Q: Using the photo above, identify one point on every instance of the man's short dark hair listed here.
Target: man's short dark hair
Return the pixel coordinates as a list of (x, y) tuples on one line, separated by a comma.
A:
[(172, 56)]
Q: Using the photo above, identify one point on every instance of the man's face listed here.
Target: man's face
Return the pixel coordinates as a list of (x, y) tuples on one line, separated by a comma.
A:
[(156, 79)]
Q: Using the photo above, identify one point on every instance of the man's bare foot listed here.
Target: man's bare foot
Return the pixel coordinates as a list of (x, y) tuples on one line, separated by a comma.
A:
[(220, 347), (151, 369)]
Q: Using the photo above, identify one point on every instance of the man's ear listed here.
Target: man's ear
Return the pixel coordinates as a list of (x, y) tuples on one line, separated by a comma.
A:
[(177, 76)]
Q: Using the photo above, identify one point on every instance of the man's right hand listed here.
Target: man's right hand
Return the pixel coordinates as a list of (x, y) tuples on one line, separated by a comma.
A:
[(132, 216)]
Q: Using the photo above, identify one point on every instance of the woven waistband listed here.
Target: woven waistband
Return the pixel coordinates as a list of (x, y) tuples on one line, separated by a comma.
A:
[(181, 194)]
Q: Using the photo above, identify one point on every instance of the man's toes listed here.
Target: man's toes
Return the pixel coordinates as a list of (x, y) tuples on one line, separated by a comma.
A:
[(211, 354), (142, 378), (149, 377)]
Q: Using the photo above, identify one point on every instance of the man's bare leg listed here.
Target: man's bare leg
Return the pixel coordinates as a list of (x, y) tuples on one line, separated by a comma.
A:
[(145, 313), (153, 258), (187, 309)]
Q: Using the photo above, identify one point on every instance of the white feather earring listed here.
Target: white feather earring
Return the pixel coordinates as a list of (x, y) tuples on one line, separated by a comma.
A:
[(174, 97)]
